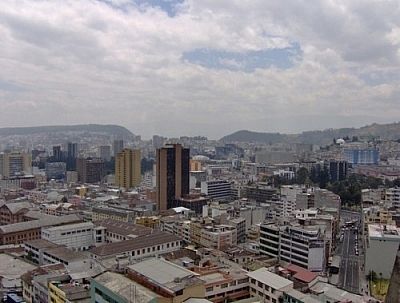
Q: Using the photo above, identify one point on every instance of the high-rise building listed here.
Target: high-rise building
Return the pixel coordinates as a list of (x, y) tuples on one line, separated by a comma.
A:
[(172, 174), (127, 168), (57, 153), (14, 163), (90, 170), (104, 152), (118, 146), (72, 150)]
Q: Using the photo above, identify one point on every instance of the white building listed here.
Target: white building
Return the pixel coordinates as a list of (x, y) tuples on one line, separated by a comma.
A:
[(267, 286), (382, 244), (217, 189), (74, 236)]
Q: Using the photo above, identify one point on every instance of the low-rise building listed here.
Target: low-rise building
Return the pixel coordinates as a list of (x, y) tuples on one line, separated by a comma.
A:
[(18, 233), (45, 252), (74, 236), (267, 286), (137, 248), (102, 213), (167, 279)]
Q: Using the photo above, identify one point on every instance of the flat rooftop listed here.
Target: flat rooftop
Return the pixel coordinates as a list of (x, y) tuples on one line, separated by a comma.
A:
[(12, 268), (269, 278), (123, 287), (379, 231)]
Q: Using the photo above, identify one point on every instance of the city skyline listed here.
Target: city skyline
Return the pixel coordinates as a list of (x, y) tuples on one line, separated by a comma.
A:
[(186, 67)]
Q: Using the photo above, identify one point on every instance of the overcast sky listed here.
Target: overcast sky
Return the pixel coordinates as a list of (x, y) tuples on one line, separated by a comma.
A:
[(200, 67)]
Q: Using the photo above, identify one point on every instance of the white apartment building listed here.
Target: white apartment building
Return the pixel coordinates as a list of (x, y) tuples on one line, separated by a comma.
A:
[(300, 245), (267, 286), (382, 243), (74, 236), (217, 189), (303, 246)]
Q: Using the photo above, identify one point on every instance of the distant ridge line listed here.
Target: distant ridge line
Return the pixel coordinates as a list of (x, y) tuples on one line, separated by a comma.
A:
[(111, 129), (389, 131)]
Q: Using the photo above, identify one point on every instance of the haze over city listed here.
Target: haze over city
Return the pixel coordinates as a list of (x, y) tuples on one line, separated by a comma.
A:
[(200, 67)]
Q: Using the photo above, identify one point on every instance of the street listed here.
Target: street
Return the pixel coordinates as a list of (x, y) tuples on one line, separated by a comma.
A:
[(350, 253)]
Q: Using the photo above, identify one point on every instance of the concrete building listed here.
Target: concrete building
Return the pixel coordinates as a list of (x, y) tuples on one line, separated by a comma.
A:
[(28, 278), (118, 146), (194, 202), (295, 244), (55, 170), (13, 164), (240, 225), (137, 248), (217, 189), (218, 236), (267, 286), (382, 243), (45, 252), (74, 236), (221, 284), (66, 292), (90, 170), (167, 279), (172, 174), (104, 212), (18, 233), (127, 168), (114, 287), (104, 152)]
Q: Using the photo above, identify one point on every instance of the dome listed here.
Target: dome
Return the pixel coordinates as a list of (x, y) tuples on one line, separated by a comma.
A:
[(340, 141)]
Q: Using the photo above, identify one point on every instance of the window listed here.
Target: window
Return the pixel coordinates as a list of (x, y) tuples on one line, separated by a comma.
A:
[(208, 289), (233, 283), (225, 285)]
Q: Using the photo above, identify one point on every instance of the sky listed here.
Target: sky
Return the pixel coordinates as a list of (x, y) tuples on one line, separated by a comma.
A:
[(200, 67)]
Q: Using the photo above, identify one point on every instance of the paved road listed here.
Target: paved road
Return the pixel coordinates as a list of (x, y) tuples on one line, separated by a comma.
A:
[(349, 273)]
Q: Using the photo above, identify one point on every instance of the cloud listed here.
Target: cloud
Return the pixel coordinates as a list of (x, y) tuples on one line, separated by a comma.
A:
[(204, 67)]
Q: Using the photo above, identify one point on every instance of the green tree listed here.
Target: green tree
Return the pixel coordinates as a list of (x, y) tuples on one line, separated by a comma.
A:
[(302, 175)]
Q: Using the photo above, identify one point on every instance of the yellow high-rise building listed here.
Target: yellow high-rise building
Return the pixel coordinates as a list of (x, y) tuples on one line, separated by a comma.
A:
[(127, 168)]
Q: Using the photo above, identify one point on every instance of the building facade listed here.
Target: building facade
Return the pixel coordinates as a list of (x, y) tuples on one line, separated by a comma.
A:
[(172, 174), (127, 168)]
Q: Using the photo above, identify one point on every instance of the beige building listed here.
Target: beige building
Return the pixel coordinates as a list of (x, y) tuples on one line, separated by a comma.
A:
[(127, 168), (267, 286), (14, 163)]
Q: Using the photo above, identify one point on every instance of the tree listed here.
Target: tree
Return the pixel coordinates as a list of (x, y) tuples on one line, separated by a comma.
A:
[(302, 175), (372, 276)]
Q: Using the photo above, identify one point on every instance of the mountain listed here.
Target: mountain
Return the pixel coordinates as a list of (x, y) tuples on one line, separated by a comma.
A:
[(322, 137), (95, 128)]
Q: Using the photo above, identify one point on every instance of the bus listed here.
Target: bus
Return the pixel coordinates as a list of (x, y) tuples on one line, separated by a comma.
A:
[(335, 265)]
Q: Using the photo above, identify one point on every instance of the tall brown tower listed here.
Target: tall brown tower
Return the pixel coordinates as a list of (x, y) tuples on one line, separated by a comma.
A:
[(172, 174)]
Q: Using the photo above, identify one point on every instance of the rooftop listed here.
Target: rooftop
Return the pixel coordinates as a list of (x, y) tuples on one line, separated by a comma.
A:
[(43, 222), (124, 228), (379, 231), (166, 274), (269, 278), (133, 244), (122, 286)]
